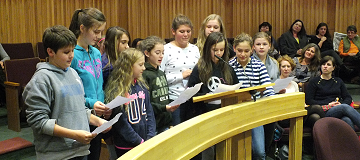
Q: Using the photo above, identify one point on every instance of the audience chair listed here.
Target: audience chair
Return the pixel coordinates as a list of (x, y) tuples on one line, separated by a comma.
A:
[(335, 140), (19, 50), (337, 38), (18, 74), (41, 53)]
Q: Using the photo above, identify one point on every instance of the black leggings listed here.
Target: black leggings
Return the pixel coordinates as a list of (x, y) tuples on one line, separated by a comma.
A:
[(315, 112)]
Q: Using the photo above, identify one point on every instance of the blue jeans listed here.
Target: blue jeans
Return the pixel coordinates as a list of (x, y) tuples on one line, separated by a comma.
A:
[(176, 117), (258, 143), (346, 113)]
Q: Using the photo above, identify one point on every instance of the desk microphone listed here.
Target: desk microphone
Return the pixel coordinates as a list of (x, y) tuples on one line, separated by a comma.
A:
[(221, 59)]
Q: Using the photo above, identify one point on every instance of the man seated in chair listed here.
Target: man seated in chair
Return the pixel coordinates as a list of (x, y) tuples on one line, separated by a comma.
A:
[(349, 49)]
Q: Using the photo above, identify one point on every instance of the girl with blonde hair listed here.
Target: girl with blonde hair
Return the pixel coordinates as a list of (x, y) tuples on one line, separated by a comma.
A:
[(137, 123)]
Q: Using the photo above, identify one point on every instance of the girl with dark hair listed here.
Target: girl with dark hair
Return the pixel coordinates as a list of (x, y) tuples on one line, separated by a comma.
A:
[(116, 40), (211, 71), (292, 41), (87, 25)]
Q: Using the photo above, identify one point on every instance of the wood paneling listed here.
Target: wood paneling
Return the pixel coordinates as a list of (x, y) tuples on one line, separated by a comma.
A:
[(346, 13), (25, 20)]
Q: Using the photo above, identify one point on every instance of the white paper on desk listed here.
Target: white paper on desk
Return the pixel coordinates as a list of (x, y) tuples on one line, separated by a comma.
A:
[(282, 83), (224, 87), (117, 102), (187, 94), (106, 125)]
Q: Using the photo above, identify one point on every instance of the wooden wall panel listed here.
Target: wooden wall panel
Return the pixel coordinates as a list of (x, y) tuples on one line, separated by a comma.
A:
[(25, 20), (346, 13), (281, 14)]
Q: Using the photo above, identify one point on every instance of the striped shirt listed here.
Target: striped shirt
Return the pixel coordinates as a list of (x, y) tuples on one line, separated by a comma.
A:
[(254, 74)]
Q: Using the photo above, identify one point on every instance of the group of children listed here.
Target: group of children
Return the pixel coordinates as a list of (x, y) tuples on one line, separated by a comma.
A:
[(79, 79)]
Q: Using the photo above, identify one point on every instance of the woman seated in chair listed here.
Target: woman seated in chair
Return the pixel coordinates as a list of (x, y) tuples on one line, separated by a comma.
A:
[(286, 66), (292, 41), (307, 65), (327, 96), (324, 41), (349, 49)]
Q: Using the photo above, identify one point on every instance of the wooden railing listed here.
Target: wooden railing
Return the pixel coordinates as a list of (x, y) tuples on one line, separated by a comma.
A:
[(228, 127)]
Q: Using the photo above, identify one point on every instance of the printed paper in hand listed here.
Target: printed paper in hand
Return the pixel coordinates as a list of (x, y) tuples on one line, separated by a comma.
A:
[(106, 125), (117, 102), (282, 83), (187, 94)]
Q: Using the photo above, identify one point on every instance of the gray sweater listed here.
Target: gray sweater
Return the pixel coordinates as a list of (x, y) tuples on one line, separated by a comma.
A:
[(56, 96)]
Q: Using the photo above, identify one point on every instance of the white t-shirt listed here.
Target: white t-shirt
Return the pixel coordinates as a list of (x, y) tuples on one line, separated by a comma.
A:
[(175, 61)]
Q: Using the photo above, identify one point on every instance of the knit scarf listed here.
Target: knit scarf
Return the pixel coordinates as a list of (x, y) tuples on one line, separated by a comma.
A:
[(347, 44)]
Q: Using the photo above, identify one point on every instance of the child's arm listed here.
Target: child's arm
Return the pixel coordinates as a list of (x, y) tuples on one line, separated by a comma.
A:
[(79, 135), (96, 121)]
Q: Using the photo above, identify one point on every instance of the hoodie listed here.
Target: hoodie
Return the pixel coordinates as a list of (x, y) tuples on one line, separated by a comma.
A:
[(159, 95), (56, 96), (88, 66), (136, 124)]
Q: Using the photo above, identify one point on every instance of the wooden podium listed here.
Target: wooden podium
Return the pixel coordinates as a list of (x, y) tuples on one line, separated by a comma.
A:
[(229, 128)]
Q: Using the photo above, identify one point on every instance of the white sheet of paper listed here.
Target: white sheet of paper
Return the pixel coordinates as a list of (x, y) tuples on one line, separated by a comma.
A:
[(187, 94), (106, 125), (224, 87), (282, 83), (117, 102)]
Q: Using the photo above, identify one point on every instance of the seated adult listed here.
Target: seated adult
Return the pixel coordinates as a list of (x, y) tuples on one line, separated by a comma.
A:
[(328, 97), (286, 66), (307, 65), (349, 48), (266, 27), (292, 41), (324, 41)]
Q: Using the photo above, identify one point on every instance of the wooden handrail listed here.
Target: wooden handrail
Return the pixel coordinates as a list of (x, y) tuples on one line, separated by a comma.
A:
[(229, 127)]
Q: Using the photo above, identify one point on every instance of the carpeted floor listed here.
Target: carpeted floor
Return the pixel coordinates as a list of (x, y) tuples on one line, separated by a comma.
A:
[(14, 144)]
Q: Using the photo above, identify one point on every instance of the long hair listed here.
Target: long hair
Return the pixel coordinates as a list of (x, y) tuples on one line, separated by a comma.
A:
[(88, 17), (302, 31), (315, 61), (327, 34), (205, 62), (112, 40), (202, 37), (121, 78)]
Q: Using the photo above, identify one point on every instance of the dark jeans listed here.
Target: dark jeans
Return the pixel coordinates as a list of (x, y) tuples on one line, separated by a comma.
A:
[(346, 113), (120, 152), (95, 146)]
